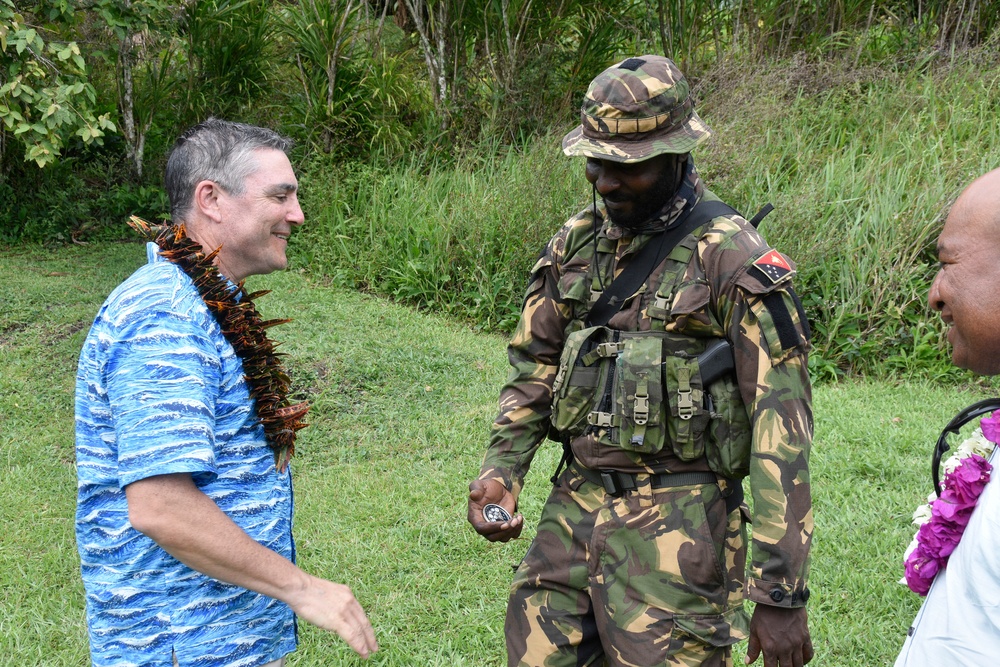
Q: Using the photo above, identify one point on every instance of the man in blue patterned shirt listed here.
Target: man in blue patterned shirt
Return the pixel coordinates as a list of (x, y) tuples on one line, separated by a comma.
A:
[(184, 519)]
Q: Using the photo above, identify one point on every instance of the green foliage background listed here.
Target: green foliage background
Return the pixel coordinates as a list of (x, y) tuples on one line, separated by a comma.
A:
[(431, 174), (428, 134)]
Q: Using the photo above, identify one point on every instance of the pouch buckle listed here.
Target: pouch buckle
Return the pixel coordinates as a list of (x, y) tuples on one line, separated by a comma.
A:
[(602, 419), (685, 406), (610, 349), (640, 411)]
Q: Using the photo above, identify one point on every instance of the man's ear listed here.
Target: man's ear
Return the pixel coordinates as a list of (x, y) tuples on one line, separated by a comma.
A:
[(206, 200)]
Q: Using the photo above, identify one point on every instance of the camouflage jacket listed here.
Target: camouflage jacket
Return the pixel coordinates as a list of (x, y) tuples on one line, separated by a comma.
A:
[(734, 286)]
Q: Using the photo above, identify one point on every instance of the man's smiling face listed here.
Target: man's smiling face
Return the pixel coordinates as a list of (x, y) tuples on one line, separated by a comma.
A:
[(966, 289), (258, 222)]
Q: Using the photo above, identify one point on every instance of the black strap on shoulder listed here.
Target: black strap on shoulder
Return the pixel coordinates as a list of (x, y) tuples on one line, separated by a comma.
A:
[(649, 257), (761, 214), (960, 420)]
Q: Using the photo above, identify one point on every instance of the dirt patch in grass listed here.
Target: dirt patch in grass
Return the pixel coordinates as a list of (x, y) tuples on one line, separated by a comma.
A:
[(62, 332), (732, 88), (8, 331)]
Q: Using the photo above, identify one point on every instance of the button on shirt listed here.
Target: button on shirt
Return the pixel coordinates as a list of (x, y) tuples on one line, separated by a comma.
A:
[(160, 390)]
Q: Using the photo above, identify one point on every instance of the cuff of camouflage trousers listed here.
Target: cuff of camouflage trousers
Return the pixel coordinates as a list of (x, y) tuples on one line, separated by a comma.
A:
[(776, 594)]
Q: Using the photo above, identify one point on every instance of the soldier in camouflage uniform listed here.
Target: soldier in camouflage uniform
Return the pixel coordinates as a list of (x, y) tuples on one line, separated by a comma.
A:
[(640, 552)]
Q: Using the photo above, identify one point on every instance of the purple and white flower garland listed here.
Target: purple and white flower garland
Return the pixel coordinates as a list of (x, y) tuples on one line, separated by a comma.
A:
[(943, 519)]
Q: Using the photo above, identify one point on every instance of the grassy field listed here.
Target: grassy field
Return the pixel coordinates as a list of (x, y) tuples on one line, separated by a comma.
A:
[(402, 402)]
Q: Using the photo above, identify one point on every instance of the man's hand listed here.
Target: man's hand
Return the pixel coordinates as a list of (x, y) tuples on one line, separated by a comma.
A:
[(482, 493), (333, 607), (187, 524), (782, 634)]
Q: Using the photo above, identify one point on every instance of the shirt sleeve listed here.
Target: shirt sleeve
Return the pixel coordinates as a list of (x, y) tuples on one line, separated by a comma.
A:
[(770, 335), (762, 317), (533, 352), (162, 377)]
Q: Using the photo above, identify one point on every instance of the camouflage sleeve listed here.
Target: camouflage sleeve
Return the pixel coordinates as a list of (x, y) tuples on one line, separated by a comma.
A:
[(526, 398), (770, 334)]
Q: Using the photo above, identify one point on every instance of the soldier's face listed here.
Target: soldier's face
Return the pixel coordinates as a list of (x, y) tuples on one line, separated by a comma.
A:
[(966, 290), (633, 193)]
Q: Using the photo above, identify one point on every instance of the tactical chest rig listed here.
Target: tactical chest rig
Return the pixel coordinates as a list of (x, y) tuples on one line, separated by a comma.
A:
[(643, 390)]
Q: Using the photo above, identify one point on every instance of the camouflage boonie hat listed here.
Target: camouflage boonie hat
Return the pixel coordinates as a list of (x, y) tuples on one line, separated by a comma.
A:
[(636, 110)]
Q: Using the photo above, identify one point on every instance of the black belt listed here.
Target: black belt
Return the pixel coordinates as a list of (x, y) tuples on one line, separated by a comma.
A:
[(616, 483)]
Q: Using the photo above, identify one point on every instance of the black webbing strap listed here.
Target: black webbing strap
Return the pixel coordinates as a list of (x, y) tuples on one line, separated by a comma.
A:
[(566, 459), (761, 214), (615, 483), (649, 257)]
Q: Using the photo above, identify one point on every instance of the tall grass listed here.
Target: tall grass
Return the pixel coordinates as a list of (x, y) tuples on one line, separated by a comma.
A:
[(701, 33), (862, 165), (862, 174), (457, 238)]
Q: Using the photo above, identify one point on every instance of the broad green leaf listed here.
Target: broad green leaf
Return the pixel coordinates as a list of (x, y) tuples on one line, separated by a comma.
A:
[(40, 154)]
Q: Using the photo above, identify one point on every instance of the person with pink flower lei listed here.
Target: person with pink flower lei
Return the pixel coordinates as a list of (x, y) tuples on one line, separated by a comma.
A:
[(959, 570)]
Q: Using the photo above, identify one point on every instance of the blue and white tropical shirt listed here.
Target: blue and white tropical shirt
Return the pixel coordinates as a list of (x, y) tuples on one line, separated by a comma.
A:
[(160, 390)]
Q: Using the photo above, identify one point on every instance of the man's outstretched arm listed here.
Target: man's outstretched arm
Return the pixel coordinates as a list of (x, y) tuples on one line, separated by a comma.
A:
[(173, 512)]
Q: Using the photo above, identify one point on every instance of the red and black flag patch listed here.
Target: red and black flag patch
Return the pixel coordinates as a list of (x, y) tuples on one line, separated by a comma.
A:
[(772, 266)]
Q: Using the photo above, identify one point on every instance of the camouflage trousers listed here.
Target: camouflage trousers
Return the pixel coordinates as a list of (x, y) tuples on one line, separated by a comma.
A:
[(653, 577)]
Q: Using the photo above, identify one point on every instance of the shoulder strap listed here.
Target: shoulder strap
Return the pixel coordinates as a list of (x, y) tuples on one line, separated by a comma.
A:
[(649, 257), (761, 214)]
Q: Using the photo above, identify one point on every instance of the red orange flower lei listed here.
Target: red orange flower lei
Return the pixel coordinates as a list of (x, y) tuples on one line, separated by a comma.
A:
[(243, 327)]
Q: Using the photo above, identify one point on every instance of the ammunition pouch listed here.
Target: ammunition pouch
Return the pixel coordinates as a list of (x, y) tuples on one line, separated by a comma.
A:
[(642, 390)]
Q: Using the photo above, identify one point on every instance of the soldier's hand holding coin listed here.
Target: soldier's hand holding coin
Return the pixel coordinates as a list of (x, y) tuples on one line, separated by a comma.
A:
[(491, 511)]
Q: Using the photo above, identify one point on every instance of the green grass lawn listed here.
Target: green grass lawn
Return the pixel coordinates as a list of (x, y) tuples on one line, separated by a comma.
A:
[(402, 402)]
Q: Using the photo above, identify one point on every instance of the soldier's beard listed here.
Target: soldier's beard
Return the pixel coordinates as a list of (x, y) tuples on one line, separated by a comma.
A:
[(649, 204)]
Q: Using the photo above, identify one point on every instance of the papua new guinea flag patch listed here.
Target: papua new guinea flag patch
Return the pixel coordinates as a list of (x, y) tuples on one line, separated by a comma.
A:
[(773, 266)]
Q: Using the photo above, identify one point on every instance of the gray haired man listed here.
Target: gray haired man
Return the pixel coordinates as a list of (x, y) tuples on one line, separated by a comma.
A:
[(184, 431)]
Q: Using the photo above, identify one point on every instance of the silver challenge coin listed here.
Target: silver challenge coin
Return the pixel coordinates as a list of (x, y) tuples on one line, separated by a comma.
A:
[(494, 513)]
